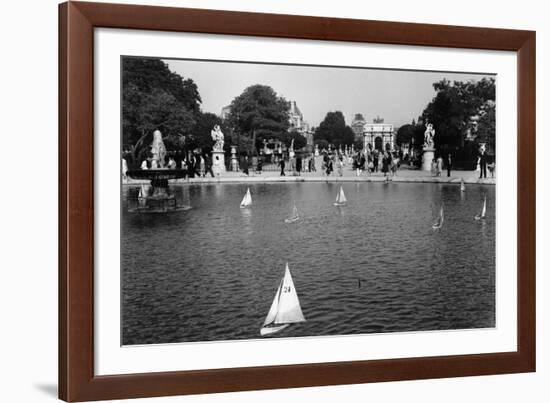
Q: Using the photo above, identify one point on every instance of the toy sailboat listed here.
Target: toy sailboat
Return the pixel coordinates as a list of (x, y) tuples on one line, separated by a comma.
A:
[(462, 185), (340, 198), (247, 199), (439, 223), (294, 217), (285, 308), (481, 216)]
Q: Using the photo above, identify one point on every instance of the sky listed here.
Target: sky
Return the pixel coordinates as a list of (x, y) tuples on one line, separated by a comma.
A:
[(395, 95)]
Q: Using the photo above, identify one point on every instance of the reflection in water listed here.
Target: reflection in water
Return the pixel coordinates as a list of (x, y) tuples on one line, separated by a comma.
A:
[(374, 265)]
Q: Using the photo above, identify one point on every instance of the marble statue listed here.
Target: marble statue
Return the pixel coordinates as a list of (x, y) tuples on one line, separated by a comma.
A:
[(158, 150), (429, 136), (217, 136)]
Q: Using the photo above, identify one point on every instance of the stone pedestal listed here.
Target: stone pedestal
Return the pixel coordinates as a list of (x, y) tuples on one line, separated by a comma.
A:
[(427, 157), (221, 157), (234, 160)]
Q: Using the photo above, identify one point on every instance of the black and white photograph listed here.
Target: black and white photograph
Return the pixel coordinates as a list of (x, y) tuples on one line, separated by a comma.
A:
[(263, 200)]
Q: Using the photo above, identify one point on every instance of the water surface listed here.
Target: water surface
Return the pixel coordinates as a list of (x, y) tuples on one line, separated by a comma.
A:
[(375, 265)]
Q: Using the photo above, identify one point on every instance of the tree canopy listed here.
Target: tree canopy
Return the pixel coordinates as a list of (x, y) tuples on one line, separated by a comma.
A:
[(455, 108), (334, 131), (259, 113), (410, 133), (154, 98), (299, 140)]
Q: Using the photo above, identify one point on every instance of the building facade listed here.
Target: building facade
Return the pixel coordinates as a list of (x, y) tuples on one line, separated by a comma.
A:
[(358, 125), (378, 134), (226, 110), (297, 123)]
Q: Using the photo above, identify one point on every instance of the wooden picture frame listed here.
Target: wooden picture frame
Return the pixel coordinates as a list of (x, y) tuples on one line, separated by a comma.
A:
[(77, 21)]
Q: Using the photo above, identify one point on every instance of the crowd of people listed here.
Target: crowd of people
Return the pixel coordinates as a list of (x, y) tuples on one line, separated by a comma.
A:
[(196, 165), (366, 162), (373, 161)]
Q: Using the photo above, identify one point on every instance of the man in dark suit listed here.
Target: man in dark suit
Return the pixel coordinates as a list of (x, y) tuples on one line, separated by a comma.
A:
[(282, 164), (483, 164)]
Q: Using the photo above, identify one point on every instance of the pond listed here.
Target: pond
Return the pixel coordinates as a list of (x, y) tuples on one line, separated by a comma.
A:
[(375, 265)]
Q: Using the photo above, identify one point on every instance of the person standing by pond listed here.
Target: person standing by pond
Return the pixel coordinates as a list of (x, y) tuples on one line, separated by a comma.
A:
[(245, 165), (312, 168), (439, 165), (202, 166), (282, 165), (361, 164), (299, 164), (482, 164), (385, 163), (449, 164), (208, 166), (259, 165), (340, 165)]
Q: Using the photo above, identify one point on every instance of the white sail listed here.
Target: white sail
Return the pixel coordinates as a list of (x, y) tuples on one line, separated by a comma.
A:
[(483, 210), (285, 308), (247, 199), (289, 310), (340, 197), (274, 306)]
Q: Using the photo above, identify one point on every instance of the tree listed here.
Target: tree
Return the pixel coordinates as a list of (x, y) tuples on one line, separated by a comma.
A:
[(404, 134), (334, 131), (259, 113), (453, 108), (299, 140), (412, 133), (486, 126), (154, 98)]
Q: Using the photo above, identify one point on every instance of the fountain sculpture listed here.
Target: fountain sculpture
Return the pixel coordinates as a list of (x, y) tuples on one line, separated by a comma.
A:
[(157, 198)]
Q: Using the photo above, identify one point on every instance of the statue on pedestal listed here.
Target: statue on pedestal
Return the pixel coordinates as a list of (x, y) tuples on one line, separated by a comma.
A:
[(217, 136), (291, 149), (316, 150), (158, 150), (429, 135), (428, 149)]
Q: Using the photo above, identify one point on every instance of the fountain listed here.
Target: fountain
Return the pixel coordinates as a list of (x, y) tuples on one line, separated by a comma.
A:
[(157, 198)]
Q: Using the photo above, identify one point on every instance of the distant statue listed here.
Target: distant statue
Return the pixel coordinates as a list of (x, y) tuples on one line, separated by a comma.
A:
[(158, 150), (429, 136), (217, 136)]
